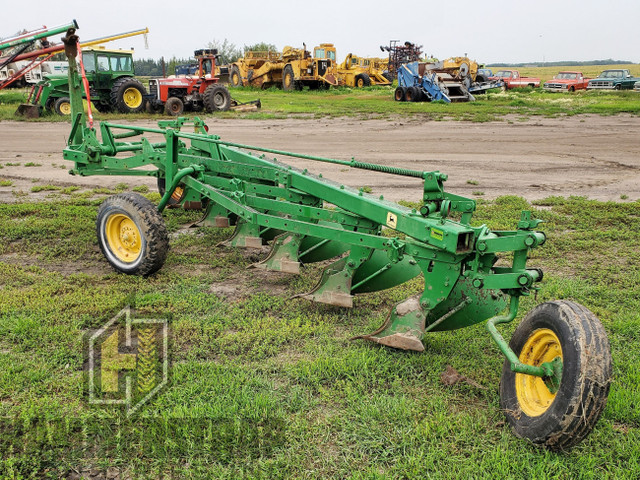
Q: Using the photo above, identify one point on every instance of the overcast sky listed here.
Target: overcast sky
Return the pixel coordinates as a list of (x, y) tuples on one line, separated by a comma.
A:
[(488, 31)]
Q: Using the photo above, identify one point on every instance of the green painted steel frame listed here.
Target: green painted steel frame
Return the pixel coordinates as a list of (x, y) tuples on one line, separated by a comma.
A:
[(264, 194)]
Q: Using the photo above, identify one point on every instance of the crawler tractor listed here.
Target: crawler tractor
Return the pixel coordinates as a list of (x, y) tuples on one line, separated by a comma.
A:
[(557, 369)]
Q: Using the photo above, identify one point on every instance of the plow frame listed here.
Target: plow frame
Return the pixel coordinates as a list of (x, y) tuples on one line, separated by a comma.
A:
[(375, 244)]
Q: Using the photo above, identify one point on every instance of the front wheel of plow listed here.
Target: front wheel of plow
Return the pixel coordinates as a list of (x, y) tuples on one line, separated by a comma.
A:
[(132, 234), (561, 417)]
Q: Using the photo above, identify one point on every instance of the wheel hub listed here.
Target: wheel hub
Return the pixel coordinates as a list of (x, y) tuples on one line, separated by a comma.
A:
[(123, 237), (534, 394)]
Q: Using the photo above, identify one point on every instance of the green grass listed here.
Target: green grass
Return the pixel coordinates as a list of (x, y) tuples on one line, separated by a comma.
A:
[(377, 102), (254, 363)]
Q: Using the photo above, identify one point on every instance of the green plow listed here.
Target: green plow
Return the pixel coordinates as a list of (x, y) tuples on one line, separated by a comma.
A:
[(556, 357)]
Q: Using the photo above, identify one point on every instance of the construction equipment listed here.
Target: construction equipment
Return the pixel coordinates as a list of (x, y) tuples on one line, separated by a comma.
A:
[(419, 81), (294, 68), (557, 371), (194, 93), (359, 72)]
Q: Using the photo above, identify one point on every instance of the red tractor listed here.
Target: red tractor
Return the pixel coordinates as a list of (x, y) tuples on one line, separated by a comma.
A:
[(191, 92)]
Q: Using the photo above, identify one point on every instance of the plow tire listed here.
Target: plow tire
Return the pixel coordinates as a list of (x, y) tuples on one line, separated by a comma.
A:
[(132, 234), (127, 95), (62, 106), (363, 80), (217, 98), (558, 420)]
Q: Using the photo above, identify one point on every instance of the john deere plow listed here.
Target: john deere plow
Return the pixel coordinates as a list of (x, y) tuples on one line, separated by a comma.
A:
[(557, 369)]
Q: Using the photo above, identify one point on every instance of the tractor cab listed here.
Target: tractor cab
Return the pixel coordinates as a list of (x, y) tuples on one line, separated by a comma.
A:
[(206, 62)]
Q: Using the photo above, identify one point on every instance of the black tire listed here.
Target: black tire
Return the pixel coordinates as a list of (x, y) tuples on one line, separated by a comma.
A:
[(388, 76), (572, 89), (362, 80), (481, 78), (62, 106), (132, 234), (235, 79), (400, 94), (217, 98), (558, 421), (174, 106), (127, 95), (288, 79), (413, 94), (48, 105), (103, 107), (617, 87)]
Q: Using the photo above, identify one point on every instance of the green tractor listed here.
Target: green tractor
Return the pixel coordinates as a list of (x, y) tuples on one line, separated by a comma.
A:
[(111, 79)]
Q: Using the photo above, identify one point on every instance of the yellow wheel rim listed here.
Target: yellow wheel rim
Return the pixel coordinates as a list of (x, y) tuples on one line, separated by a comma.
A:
[(533, 395), (360, 83), (65, 108), (177, 194), (123, 237), (132, 97)]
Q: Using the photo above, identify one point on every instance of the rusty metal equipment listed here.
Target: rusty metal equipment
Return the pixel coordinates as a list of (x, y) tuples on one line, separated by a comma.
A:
[(400, 54), (557, 370), (293, 69)]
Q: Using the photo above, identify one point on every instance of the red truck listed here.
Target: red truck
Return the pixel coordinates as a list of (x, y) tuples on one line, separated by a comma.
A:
[(512, 79), (567, 82)]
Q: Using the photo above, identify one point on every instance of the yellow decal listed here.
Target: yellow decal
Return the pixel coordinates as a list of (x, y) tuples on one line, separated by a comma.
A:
[(437, 234), (392, 220)]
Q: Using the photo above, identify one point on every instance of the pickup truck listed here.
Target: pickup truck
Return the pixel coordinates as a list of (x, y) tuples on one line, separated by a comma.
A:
[(512, 79), (567, 82), (613, 80)]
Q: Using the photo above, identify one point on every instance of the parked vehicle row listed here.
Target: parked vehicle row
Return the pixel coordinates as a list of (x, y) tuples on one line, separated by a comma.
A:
[(613, 79)]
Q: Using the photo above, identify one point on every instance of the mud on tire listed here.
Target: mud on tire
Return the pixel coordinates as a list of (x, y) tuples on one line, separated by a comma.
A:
[(132, 234), (568, 416)]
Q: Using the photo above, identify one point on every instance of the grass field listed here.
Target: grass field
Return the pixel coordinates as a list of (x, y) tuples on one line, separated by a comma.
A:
[(377, 102), (265, 386)]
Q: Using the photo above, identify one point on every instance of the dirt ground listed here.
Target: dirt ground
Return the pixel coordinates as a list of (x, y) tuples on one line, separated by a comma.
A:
[(593, 156)]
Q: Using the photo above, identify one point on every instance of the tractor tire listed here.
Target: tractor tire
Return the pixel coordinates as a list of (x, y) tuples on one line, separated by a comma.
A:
[(62, 106), (235, 79), (481, 78), (48, 105), (132, 234), (413, 94), (217, 98), (288, 79), (388, 76), (400, 94), (558, 420), (173, 106), (362, 80), (103, 107), (127, 95)]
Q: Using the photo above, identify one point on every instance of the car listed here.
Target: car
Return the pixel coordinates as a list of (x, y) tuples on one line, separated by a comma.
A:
[(512, 79), (614, 79), (567, 82)]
